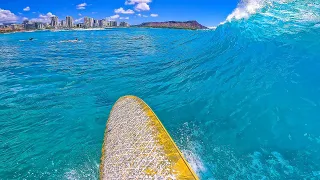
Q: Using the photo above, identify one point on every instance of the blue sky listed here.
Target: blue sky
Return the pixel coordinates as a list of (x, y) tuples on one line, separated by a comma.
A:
[(206, 12)]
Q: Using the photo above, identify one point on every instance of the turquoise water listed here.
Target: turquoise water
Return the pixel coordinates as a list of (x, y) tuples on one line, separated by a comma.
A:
[(241, 101)]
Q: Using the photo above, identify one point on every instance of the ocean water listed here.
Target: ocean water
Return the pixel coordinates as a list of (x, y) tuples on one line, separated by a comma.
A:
[(241, 101)]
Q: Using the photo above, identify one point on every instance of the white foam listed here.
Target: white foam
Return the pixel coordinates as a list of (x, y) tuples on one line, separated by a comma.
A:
[(212, 27), (245, 9), (70, 41), (194, 161), (89, 29), (88, 170), (71, 175), (317, 25), (296, 11)]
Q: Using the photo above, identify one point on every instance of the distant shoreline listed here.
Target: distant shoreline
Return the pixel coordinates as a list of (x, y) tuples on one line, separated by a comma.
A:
[(177, 28), (190, 25), (55, 30), (96, 29)]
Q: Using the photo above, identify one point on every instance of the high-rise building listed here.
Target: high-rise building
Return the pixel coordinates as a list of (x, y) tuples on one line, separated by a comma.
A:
[(69, 22), (39, 25), (25, 22), (88, 22), (124, 24), (108, 23), (102, 23), (80, 25), (54, 21), (30, 26), (91, 22), (113, 23), (16, 26), (95, 23), (63, 23)]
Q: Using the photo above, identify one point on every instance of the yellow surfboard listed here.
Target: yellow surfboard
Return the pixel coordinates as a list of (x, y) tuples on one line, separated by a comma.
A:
[(137, 146)]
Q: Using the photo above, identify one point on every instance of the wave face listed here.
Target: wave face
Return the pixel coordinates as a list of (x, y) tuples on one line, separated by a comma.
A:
[(264, 103), (241, 101)]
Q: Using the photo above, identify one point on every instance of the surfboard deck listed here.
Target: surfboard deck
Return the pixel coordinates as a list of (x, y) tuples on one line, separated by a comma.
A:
[(137, 146)]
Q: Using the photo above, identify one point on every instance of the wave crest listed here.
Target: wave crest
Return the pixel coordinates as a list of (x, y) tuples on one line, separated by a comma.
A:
[(245, 9), (283, 10)]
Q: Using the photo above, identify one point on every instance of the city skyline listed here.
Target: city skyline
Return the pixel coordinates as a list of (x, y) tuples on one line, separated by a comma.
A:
[(132, 11), (64, 23)]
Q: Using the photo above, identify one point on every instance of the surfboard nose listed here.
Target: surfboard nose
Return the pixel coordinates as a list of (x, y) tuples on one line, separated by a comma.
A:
[(137, 146)]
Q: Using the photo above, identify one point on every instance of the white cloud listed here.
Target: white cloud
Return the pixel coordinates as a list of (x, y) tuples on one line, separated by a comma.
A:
[(20, 13), (113, 17), (132, 2), (25, 18), (140, 15), (79, 14), (43, 18), (124, 18), (78, 20), (26, 8), (7, 16), (122, 11), (82, 6), (142, 7), (154, 15)]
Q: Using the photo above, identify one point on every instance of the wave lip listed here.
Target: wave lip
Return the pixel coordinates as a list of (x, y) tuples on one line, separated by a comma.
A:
[(245, 9), (277, 10)]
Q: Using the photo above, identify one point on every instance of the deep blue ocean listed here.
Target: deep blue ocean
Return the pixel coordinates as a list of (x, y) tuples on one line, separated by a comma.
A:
[(241, 101)]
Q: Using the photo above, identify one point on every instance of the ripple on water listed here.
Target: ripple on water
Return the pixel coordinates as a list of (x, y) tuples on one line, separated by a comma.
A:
[(238, 106)]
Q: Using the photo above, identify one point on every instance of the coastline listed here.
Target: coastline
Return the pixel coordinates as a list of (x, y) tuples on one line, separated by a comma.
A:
[(22, 31), (189, 25), (56, 30), (177, 28), (185, 25), (100, 29)]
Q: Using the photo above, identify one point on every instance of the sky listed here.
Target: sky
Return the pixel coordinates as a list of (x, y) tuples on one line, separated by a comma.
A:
[(206, 12)]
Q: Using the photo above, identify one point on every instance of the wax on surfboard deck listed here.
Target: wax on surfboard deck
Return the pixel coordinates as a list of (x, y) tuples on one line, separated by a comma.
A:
[(137, 146)]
